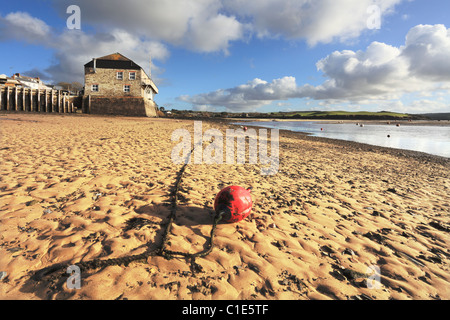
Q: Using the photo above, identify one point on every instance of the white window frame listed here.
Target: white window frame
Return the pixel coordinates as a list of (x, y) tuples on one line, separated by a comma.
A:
[(129, 75), (121, 75), (95, 88), (126, 88)]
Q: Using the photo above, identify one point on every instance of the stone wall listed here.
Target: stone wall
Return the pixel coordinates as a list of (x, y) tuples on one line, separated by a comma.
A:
[(109, 85), (125, 106)]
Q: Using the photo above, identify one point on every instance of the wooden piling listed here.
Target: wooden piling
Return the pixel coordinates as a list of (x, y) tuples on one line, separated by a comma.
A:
[(24, 101), (31, 100), (52, 108), (7, 98), (59, 101), (39, 107), (37, 100)]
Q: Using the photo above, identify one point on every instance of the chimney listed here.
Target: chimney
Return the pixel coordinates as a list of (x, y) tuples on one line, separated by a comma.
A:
[(95, 64)]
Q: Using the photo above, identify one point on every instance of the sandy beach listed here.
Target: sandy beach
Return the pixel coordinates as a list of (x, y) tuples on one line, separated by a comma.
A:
[(70, 185)]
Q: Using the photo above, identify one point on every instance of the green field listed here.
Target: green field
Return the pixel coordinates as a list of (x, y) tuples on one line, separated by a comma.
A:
[(321, 115), (332, 114)]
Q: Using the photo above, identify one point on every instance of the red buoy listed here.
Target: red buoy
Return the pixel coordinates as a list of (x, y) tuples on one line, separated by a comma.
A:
[(234, 203)]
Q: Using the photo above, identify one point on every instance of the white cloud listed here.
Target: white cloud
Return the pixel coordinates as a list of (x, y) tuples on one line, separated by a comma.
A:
[(214, 34), (196, 25), (253, 94), (384, 71), (319, 21), (381, 72), (211, 25), (428, 50), (20, 25)]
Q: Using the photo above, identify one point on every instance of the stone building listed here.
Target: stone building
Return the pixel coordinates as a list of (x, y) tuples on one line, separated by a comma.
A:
[(114, 84)]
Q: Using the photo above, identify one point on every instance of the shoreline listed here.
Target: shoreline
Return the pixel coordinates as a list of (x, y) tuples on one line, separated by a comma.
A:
[(72, 186), (443, 123), (359, 145)]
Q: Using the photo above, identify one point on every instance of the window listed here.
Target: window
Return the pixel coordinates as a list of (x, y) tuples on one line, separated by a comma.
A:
[(94, 88), (132, 75), (126, 88), (120, 75)]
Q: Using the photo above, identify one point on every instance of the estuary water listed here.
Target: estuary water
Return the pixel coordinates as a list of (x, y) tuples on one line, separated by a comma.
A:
[(432, 139)]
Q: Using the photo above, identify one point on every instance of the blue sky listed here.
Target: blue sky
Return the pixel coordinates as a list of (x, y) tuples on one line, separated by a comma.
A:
[(241, 56)]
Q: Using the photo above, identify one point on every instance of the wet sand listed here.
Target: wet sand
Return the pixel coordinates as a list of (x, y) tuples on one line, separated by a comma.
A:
[(334, 210)]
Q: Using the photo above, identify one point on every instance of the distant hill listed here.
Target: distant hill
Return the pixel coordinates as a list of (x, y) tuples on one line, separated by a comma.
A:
[(312, 115), (437, 116), (341, 115)]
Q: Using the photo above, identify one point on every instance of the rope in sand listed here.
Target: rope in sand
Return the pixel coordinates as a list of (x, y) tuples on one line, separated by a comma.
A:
[(162, 250)]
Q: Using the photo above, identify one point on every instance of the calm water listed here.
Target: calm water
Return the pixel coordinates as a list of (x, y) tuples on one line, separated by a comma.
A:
[(430, 139)]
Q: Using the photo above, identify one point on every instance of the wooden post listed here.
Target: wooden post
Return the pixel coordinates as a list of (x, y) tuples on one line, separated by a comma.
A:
[(59, 101), (18, 104), (31, 100), (38, 100), (22, 106), (24, 100), (83, 104), (7, 98), (51, 102), (15, 98), (46, 101)]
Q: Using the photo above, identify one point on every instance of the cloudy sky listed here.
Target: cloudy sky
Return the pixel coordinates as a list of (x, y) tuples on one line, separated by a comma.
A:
[(247, 55)]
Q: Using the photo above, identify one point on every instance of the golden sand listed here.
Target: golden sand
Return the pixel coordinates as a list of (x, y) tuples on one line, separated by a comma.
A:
[(69, 184)]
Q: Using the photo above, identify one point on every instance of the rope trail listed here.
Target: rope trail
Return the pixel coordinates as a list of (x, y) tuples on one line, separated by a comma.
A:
[(162, 250)]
